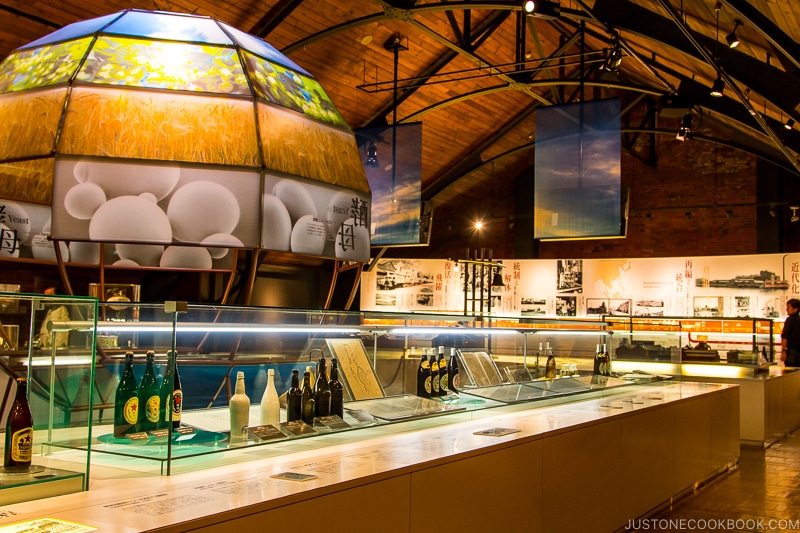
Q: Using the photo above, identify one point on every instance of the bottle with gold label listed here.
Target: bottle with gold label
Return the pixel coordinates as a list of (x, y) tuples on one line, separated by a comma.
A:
[(452, 371), (19, 431), (149, 399), (424, 376), (443, 385), (435, 393), (126, 400)]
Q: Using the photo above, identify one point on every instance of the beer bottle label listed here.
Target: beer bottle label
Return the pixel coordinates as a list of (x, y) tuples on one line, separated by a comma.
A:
[(131, 410), (456, 382), (443, 382), (151, 408), (426, 364), (428, 384), (22, 445), (177, 404)]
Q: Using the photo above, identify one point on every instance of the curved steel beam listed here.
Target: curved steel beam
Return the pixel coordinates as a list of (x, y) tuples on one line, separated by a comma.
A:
[(516, 87), (676, 18)]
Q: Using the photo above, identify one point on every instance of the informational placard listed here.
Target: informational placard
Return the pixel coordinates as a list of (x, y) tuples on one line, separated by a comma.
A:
[(359, 377)]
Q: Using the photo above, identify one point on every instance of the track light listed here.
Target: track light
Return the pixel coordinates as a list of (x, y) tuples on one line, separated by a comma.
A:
[(613, 59), (685, 129), (789, 124), (732, 39), (542, 8), (719, 86), (372, 155)]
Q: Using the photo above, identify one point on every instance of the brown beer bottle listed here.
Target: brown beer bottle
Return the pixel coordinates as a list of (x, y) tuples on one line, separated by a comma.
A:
[(19, 431)]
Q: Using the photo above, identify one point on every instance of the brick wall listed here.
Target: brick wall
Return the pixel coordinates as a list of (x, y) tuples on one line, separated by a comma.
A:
[(698, 199)]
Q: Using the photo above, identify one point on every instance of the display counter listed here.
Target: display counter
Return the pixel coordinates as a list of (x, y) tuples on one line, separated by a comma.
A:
[(588, 464), (715, 350)]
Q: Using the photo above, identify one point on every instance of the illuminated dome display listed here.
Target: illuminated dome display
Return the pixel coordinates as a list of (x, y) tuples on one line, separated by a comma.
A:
[(173, 99)]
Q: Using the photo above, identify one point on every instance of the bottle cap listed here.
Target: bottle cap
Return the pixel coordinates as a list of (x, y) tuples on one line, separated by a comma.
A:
[(240, 374), (271, 372)]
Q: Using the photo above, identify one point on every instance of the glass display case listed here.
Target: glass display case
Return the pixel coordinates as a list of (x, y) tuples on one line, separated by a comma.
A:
[(691, 346), (47, 352), (225, 353)]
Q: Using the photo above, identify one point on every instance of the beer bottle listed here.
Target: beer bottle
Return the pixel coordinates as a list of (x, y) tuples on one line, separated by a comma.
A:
[(337, 390), (424, 376), (322, 396), (434, 376), (606, 361), (126, 400), (149, 398), (443, 391), (294, 399), (598, 361), (550, 365), (177, 395), (171, 396), (19, 431), (308, 399), (452, 371)]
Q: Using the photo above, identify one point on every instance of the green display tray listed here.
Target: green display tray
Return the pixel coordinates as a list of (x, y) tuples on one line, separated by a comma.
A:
[(178, 439)]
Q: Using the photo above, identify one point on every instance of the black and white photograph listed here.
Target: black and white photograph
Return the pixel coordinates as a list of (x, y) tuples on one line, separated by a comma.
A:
[(566, 305), (570, 275), (707, 306), (742, 309), (619, 307), (533, 306), (596, 306)]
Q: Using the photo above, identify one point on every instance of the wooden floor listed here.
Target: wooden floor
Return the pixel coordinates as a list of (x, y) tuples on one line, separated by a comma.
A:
[(762, 494)]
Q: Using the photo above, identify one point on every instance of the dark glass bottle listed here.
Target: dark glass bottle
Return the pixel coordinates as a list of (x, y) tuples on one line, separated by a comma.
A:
[(598, 361), (322, 396), (149, 399), (452, 371), (171, 404), (294, 399), (424, 376), (126, 400), (443, 374), (337, 390), (19, 431), (550, 365), (434, 375), (606, 362), (308, 399)]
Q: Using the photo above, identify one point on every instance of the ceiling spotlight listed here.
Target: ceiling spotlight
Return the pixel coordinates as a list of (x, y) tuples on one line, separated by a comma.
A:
[(789, 124), (685, 129), (719, 86), (613, 59), (372, 155), (732, 39), (545, 9)]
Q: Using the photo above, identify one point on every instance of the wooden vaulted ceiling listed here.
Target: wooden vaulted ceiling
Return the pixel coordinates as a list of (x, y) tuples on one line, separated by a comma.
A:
[(474, 73)]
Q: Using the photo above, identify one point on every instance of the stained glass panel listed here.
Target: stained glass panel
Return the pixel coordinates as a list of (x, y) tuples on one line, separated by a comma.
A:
[(174, 27), (164, 65), (39, 67)]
